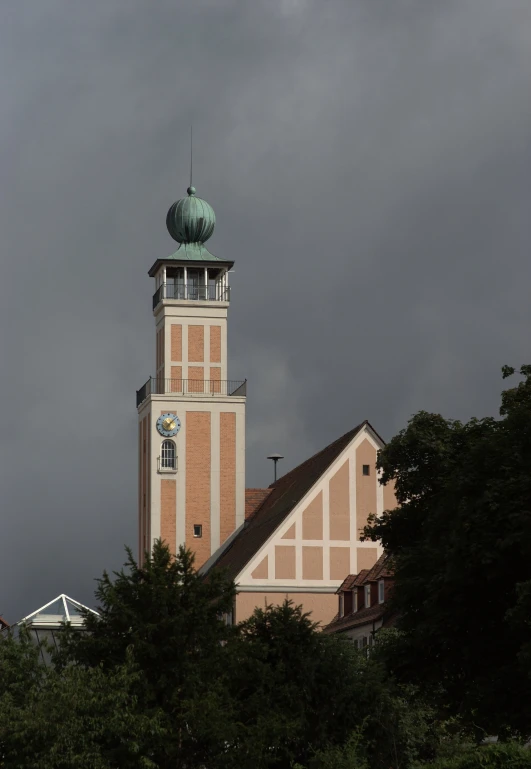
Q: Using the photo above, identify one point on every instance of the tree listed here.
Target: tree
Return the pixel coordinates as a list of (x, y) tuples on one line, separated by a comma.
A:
[(497, 756), (161, 681), (309, 699), (460, 541), (73, 719), (169, 620)]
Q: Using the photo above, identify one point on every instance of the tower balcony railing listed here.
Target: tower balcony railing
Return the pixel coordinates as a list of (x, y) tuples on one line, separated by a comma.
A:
[(191, 387), (194, 292)]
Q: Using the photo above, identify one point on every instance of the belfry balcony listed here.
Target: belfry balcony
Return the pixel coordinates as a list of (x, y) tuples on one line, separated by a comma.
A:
[(197, 284), (191, 387), (212, 293)]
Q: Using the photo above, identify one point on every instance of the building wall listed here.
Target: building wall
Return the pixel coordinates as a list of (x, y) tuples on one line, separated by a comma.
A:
[(144, 483), (208, 488), (319, 544), (192, 340), (323, 606), (358, 633)]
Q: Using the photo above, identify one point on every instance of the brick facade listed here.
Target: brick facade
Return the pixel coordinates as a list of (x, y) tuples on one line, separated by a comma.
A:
[(215, 344), (198, 472), (168, 513), (196, 344), (227, 467), (176, 342)]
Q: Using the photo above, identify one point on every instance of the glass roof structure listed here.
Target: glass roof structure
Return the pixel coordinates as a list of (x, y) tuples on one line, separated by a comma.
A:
[(52, 615)]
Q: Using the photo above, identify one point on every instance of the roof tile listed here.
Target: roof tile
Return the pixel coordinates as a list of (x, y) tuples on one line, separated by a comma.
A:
[(253, 500), (362, 617)]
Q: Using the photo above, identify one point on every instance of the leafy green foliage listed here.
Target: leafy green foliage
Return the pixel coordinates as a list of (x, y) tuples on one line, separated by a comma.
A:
[(295, 687), (311, 699), (168, 619), (76, 719), (497, 756), (461, 547), (160, 681), (350, 755)]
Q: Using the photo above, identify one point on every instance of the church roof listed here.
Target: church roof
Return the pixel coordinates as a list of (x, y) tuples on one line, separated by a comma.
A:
[(285, 494), (191, 221), (191, 252)]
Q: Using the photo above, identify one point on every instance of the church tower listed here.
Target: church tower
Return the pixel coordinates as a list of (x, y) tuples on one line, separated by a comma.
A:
[(191, 439)]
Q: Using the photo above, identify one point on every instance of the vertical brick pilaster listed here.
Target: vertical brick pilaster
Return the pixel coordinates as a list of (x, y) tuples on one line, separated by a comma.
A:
[(176, 342), (227, 440), (215, 344), (198, 471), (196, 344), (168, 511)]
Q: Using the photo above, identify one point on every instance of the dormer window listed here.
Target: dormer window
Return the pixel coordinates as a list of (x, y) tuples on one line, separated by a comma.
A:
[(367, 596), (341, 605), (354, 600), (381, 591)]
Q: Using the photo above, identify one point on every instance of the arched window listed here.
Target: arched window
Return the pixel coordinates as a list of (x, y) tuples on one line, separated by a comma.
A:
[(167, 455)]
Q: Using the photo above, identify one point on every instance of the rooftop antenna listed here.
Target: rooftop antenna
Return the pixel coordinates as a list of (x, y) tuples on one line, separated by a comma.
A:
[(275, 458)]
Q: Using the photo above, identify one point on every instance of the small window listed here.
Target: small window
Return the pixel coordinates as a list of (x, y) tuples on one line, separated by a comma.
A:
[(355, 600), (198, 530), (167, 455), (367, 596), (341, 605), (381, 591), (366, 470)]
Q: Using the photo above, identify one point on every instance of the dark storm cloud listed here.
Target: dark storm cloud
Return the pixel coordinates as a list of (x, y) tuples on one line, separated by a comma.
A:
[(368, 162)]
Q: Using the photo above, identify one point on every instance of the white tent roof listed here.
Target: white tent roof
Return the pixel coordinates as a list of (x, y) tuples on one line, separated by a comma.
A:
[(53, 614)]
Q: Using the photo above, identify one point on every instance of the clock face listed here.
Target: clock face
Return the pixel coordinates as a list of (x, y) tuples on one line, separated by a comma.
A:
[(168, 425)]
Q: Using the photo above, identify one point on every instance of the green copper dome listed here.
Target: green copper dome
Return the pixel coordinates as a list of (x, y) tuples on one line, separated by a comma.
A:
[(191, 219)]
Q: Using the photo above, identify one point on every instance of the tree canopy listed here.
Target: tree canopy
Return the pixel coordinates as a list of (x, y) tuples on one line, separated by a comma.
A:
[(460, 542), (160, 680)]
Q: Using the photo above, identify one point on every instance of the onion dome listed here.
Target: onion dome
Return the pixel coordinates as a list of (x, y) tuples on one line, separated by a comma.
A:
[(191, 219)]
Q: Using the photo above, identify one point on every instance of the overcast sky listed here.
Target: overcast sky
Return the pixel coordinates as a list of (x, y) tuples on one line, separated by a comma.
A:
[(369, 163)]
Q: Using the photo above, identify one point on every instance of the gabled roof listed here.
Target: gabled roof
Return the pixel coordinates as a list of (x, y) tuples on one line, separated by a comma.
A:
[(347, 584), (285, 494), (381, 569), (55, 612), (352, 581)]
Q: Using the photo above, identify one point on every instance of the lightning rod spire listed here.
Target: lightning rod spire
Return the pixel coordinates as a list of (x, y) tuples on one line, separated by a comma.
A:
[(191, 155)]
